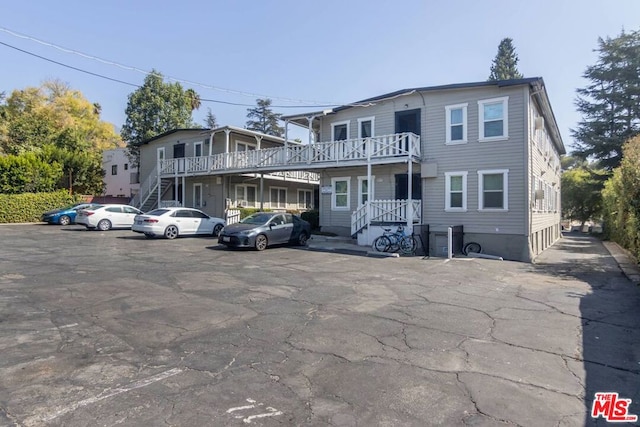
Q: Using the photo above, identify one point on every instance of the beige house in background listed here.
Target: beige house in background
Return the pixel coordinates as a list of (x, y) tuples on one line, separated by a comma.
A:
[(120, 178)]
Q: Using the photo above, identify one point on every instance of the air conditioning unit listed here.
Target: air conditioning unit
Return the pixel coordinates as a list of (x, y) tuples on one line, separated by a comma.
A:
[(539, 123), (539, 194)]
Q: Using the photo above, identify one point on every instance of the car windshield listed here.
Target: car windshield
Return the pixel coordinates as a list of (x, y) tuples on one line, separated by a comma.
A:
[(258, 218)]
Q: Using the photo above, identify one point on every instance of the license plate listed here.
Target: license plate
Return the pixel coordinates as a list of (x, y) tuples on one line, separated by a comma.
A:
[(226, 239), (138, 222)]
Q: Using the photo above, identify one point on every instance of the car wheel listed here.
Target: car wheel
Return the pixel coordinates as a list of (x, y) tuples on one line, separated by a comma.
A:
[(216, 229), (261, 242), (171, 232), (65, 220), (104, 225), (303, 239), (149, 235)]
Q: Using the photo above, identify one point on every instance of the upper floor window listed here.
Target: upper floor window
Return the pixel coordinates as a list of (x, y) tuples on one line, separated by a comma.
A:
[(339, 131), (244, 146), (126, 166), (455, 192), (456, 124), (114, 169), (366, 127), (493, 190), (493, 119)]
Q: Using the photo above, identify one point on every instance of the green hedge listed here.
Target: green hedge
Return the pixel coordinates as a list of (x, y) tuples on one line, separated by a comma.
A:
[(29, 207), (245, 212)]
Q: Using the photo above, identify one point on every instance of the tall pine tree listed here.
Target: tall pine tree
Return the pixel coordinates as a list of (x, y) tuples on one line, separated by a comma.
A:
[(263, 119), (610, 103), (505, 64)]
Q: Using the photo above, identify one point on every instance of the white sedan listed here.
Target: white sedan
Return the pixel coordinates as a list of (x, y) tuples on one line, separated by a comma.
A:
[(106, 217), (174, 222)]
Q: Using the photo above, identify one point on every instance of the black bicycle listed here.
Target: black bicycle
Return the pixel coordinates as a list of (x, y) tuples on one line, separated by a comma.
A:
[(395, 241)]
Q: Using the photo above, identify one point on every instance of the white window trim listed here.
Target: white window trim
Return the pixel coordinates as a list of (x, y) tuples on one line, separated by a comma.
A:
[(505, 119), (164, 154), (255, 203), (195, 145), (371, 119), (271, 204), (447, 192), (198, 185), (448, 109), (333, 129), (304, 190), (372, 183), (248, 144), (505, 190), (333, 193)]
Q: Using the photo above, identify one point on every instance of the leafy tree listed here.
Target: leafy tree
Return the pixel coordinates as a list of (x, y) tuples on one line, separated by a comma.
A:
[(263, 119), (210, 121), (154, 108), (59, 126), (610, 102), (28, 173), (505, 64), (621, 199), (581, 197)]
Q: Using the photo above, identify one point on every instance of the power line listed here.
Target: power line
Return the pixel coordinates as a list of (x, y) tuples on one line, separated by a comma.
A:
[(146, 72), (102, 76)]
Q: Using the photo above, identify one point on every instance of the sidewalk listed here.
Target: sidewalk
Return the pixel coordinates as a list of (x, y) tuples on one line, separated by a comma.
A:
[(625, 261), (345, 245)]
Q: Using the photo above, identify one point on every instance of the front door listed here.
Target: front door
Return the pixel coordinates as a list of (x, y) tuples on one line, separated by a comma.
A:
[(178, 153), (402, 187), (408, 121)]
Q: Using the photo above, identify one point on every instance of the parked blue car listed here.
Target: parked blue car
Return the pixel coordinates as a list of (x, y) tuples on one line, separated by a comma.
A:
[(65, 216)]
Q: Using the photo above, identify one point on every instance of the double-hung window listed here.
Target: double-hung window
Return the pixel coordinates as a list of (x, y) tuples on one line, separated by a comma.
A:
[(455, 192), (305, 199), (114, 170), (363, 189), (339, 131), (456, 124), (493, 119), (493, 190), (246, 195), (278, 197), (340, 193)]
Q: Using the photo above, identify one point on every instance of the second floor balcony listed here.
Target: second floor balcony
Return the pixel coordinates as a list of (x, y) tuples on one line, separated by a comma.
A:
[(395, 148)]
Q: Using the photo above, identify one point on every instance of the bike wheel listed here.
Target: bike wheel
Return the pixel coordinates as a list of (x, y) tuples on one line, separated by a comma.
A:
[(394, 243), (381, 243), (472, 247), (408, 245)]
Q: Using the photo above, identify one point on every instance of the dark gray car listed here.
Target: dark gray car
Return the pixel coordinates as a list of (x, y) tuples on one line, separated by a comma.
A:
[(263, 229)]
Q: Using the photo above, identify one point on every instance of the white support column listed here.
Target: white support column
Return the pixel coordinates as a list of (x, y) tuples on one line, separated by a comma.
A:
[(258, 140), (261, 191), (226, 148), (310, 120), (184, 191), (175, 189), (285, 157), (159, 182), (410, 196), (211, 144)]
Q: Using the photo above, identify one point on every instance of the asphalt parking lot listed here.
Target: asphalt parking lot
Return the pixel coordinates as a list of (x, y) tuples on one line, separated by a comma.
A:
[(111, 328)]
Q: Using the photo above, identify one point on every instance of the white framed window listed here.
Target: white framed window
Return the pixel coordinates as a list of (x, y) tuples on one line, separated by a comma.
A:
[(456, 124), (493, 188), (246, 195), (305, 199), (160, 154), (363, 189), (278, 197), (366, 127), (493, 120), (340, 131), (197, 195), (197, 149), (455, 192), (340, 193), (245, 146)]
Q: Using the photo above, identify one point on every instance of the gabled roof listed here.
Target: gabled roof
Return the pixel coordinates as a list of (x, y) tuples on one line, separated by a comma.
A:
[(208, 132), (169, 132), (402, 92)]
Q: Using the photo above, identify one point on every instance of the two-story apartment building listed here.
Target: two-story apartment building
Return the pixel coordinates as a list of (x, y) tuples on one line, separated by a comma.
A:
[(211, 170), (483, 155), (120, 177)]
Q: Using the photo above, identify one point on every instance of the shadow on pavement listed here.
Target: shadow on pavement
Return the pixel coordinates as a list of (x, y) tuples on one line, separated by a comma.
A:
[(610, 318)]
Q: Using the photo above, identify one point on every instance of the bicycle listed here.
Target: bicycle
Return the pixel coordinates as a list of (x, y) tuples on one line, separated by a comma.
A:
[(398, 240)]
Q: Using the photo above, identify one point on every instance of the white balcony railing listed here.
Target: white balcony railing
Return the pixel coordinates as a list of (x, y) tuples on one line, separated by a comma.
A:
[(351, 151)]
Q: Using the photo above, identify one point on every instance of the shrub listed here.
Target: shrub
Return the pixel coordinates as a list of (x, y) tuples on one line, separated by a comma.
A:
[(313, 217), (245, 212), (28, 207)]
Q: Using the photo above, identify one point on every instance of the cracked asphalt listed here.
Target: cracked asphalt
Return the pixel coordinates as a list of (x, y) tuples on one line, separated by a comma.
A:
[(111, 328)]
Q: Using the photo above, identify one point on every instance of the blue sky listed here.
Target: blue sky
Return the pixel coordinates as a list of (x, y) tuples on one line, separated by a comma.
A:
[(310, 52)]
